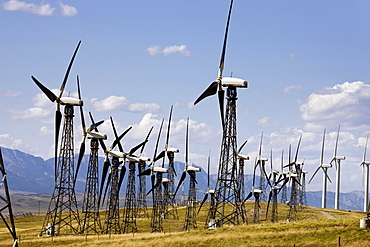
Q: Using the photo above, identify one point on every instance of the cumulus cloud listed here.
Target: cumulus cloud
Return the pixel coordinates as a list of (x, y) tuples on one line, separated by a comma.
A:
[(143, 107), (111, 103), (68, 10), (34, 112), (44, 9), (16, 5), (156, 50), (348, 101), (289, 88), (9, 93), (121, 103)]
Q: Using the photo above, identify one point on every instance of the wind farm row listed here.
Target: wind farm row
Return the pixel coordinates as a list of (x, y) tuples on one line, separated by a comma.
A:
[(226, 200)]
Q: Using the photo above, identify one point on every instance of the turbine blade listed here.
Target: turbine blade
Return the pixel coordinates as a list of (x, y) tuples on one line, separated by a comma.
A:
[(160, 155), (203, 201), (121, 176), (221, 96), (133, 150), (68, 70), (183, 176), (117, 140), (58, 120), (336, 144), (222, 60), (322, 149), (313, 175), (46, 91), (80, 156), (268, 203), (211, 90), (106, 187), (242, 146), (147, 172), (147, 138), (116, 135), (367, 138)]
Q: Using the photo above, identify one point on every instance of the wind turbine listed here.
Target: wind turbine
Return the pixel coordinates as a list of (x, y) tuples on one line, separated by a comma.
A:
[(325, 176), (59, 100), (226, 185), (63, 199), (90, 207), (337, 160), (8, 204), (156, 175), (169, 188), (363, 164)]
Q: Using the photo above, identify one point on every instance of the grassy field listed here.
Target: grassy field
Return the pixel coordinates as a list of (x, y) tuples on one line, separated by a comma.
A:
[(313, 228)]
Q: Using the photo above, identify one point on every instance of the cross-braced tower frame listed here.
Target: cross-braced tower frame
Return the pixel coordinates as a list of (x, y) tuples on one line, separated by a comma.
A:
[(170, 211), (130, 210), (62, 216), (227, 180), (191, 214), (112, 223), (142, 210), (156, 224), (8, 205), (90, 207)]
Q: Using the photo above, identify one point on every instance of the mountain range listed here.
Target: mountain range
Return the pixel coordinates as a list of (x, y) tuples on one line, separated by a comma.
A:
[(29, 175)]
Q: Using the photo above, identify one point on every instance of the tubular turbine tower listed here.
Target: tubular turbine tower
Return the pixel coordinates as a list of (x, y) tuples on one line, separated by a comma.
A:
[(226, 185)]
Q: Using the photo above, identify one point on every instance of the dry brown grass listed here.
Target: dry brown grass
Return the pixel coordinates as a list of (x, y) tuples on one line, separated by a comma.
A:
[(311, 229)]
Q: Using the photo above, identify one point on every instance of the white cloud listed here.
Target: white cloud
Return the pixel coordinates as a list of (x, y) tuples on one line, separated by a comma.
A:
[(45, 131), (34, 112), (68, 10), (289, 88), (116, 103), (111, 103), (157, 50), (293, 57), (7, 141), (143, 107), (15, 5), (9, 93), (346, 102)]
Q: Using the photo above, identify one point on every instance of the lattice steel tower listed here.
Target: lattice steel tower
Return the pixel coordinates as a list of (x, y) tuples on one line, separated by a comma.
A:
[(62, 216), (226, 185), (90, 207), (112, 220), (191, 213), (171, 207), (157, 223), (227, 181), (130, 210), (142, 211)]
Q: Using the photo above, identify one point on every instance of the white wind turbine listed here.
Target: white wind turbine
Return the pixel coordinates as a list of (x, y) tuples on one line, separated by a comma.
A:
[(337, 159), (364, 163), (325, 176)]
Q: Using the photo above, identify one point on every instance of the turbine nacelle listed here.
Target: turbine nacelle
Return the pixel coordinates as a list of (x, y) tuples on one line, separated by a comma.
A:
[(263, 159), (144, 159), (132, 158), (117, 154), (166, 180), (71, 101), (257, 191), (235, 82), (172, 150), (326, 165), (340, 157), (96, 135), (193, 168), (160, 169), (244, 157)]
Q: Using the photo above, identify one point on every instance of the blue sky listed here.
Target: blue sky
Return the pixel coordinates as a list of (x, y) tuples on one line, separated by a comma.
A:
[(307, 64)]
